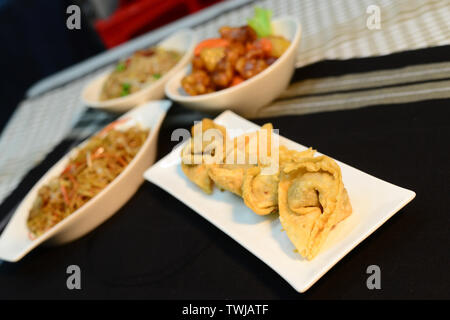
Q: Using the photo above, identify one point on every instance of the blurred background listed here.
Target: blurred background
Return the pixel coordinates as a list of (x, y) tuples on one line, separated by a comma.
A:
[(36, 42)]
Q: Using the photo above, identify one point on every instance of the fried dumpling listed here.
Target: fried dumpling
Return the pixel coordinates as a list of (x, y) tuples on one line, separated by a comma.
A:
[(193, 155), (243, 155), (260, 191), (311, 200), (288, 156), (205, 126), (307, 191), (229, 176)]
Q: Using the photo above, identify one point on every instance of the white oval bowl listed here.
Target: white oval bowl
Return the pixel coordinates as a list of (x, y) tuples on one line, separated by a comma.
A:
[(183, 41), (247, 97), (15, 242)]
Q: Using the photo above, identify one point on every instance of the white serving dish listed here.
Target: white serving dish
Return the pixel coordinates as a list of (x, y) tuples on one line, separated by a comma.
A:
[(183, 41), (15, 241), (373, 200), (249, 96)]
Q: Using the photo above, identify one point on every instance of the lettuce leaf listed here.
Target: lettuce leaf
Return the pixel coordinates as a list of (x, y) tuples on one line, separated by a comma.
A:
[(260, 22)]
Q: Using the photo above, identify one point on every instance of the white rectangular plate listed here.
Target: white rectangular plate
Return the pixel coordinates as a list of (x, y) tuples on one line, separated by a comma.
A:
[(374, 201)]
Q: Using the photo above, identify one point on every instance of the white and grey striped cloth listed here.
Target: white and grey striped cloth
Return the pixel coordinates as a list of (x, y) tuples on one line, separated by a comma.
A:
[(332, 29)]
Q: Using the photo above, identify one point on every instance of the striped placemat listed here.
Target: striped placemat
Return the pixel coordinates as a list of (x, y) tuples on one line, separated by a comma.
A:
[(408, 84)]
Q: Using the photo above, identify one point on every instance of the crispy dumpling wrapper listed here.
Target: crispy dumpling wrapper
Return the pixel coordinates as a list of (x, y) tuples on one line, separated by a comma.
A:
[(260, 191), (311, 200), (243, 154), (229, 177), (197, 157), (198, 174)]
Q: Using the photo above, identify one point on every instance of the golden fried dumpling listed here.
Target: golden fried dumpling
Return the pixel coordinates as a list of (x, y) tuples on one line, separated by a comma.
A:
[(204, 126), (193, 155), (311, 200), (287, 156), (229, 176), (260, 191), (307, 191), (243, 154), (245, 149), (198, 174)]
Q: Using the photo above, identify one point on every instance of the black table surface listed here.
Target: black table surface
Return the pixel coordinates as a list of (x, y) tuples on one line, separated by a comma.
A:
[(155, 247)]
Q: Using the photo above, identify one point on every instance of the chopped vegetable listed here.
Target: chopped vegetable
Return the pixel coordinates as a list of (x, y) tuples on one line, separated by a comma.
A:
[(125, 89), (211, 43), (278, 45), (157, 76), (64, 193), (120, 67), (261, 22)]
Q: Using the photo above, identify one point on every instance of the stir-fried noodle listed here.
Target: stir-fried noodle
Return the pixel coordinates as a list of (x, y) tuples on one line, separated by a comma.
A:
[(95, 165)]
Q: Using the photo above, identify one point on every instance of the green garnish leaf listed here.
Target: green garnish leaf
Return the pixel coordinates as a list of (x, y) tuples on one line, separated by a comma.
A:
[(157, 75), (120, 67), (261, 22), (125, 89)]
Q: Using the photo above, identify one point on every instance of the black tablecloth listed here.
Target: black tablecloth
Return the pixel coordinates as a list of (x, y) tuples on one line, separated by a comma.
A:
[(156, 247)]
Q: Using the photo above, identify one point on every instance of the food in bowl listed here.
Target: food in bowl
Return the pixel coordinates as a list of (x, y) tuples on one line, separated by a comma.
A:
[(143, 68), (238, 55), (95, 165)]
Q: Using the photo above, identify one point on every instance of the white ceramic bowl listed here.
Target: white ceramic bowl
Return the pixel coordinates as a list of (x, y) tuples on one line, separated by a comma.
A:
[(247, 97), (183, 41), (15, 241)]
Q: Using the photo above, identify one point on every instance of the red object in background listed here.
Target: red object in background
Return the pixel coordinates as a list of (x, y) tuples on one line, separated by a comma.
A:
[(135, 17)]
